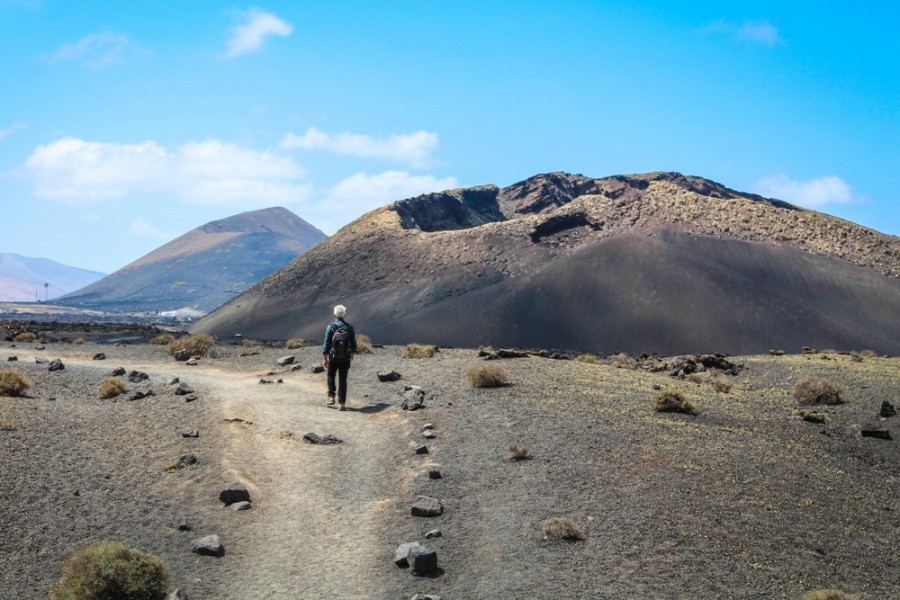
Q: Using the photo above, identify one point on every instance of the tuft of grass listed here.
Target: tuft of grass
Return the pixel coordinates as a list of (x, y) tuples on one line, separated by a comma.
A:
[(811, 416), (172, 465), (111, 570), (198, 345), (868, 354), (418, 351), (817, 390), (588, 359), (517, 451), (7, 424), (363, 343), (26, 336), (562, 528), (856, 357), (671, 401), (111, 387), (622, 361), (829, 595), (716, 381), (488, 376), (163, 339), (249, 343), (293, 344), (13, 382)]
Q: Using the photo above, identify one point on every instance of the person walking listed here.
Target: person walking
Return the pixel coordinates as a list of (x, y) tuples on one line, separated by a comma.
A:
[(338, 350)]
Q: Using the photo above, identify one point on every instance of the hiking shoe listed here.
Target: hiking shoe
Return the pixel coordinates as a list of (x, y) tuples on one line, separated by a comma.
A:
[(341, 406), (330, 401)]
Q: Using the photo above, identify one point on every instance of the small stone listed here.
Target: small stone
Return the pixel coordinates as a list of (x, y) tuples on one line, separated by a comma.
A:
[(40, 360), (313, 438), (426, 506), (402, 552), (193, 362), (421, 596), (100, 356), (190, 432), (172, 381), (236, 492), (243, 505), (296, 367), (434, 473), (186, 460), (428, 426), (182, 355), (286, 360), (413, 398), (183, 390), (56, 365), (279, 380), (422, 560), (264, 381), (118, 372), (190, 398), (887, 410), (12, 359), (388, 375), (429, 434), (878, 433), (423, 449), (434, 533), (177, 594), (208, 546), (39, 347), (137, 376), (184, 525)]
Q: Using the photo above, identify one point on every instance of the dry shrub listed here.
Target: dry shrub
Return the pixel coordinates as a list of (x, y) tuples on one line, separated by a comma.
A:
[(163, 339), (198, 345), (7, 424), (13, 382), (78, 341), (172, 465), (26, 336), (588, 359), (293, 344), (110, 570), (817, 390), (249, 343), (622, 361), (868, 354), (111, 387), (562, 528), (488, 376), (517, 451), (856, 357), (829, 595), (716, 381), (670, 401), (419, 351), (363, 343)]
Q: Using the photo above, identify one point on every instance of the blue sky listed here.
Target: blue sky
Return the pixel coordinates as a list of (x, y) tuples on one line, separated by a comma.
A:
[(126, 124)]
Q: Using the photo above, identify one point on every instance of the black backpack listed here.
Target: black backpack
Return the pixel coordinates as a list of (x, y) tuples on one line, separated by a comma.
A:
[(340, 344)]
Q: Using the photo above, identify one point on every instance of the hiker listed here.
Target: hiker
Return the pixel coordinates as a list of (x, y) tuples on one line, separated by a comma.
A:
[(338, 350)]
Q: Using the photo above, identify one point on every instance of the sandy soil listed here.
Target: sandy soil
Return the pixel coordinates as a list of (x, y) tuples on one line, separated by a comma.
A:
[(744, 500)]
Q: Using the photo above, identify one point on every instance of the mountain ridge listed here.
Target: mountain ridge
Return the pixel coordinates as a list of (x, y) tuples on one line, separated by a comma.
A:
[(22, 278)]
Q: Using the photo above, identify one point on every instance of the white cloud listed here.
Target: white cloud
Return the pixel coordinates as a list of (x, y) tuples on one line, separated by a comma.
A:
[(387, 187), (756, 31), (812, 193), (142, 227), (252, 33), (212, 172), (100, 50), (5, 131), (414, 149)]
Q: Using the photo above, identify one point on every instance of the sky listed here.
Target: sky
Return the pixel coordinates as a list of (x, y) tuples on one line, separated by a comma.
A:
[(126, 124)]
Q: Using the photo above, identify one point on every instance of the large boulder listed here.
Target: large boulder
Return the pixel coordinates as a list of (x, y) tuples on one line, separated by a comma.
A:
[(426, 506), (422, 560), (413, 397), (56, 365), (286, 360), (209, 545)]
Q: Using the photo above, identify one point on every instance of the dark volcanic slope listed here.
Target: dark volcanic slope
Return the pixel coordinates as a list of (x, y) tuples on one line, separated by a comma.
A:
[(205, 267), (647, 263)]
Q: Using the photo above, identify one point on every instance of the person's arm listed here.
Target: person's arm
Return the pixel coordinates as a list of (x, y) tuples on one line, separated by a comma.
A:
[(326, 344)]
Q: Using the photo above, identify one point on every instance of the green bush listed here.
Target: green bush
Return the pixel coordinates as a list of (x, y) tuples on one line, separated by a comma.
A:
[(198, 345), (488, 376), (13, 382), (670, 401), (817, 390), (110, 571)]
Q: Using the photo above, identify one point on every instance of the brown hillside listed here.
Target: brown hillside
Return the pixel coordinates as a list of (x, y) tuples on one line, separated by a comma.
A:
[(658, 262)]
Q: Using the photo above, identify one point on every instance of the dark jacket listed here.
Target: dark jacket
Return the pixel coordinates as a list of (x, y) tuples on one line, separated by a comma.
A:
[(329, 331)]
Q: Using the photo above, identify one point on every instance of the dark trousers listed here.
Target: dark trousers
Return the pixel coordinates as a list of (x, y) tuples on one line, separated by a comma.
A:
[(341, 370)]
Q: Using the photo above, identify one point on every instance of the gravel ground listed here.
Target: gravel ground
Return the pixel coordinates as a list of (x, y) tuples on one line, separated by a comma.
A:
[(743, 500)]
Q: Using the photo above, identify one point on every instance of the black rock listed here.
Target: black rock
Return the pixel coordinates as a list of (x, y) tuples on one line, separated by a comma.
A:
[(317, 369), (177, 594), (286, 360), (184, 525), (388, 376), (874, 432), (236, 492), (137, 376), (12, 359), (422, 560), (190, 432), (426, 506), (402, 553), (434, 473), (185, 460), (182, 355), (208, 546), (423, 449), (56, 365), (887, 410), (413, 398), (183, 390), (100, 356), (118, 372), (434, 533), (313, 438)]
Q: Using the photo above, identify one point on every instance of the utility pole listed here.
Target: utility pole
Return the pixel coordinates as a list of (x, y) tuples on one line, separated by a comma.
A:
[(46, 290)]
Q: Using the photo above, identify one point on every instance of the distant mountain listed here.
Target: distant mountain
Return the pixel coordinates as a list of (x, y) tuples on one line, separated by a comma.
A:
[(659, 262), (22, 278), (205, 267)]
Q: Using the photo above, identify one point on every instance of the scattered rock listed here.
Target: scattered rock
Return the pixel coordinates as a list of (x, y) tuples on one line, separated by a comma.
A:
[(808, 350), (118, 372), (506, 353), (421, 596), (190, 432), (285, 435), (190, 398), (236, 492), (317, 369), (296, 367), (388, 376), (56, 365), (243, 505), (254, 353), (434, 533), (312, 438), (238, 420), (177, 594), (184, 525), (141, 394), (208, 546), (286, 360), (681, 366), (401, 554), (423, 449), (192, 362), (776, 352), (428, 426), (265, 381), (186, 460), (422, 560), (137, 376), (721, 362), (39, 347), (426, 506), (877, 432), (887, 410), (413, 397), (434, 473), (12, 359), (99, 356), (182, 355), (172, 381), (40, 360), (429, 434), (183, 390)]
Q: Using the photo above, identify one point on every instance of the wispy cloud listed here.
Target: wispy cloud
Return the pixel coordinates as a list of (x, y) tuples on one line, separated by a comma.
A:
[(211, 172), (368, 192), (142, 227), (256, 28), (5, 131), (414, 149), (754, 31), (812, 193), (101, 50)]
